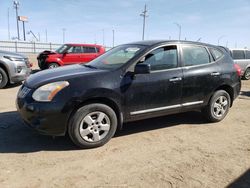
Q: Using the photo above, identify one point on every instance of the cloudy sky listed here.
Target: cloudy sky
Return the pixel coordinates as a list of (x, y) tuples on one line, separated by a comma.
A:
[(85, 21)]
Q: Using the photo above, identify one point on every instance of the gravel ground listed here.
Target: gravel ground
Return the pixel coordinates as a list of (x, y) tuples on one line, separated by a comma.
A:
[(173, 151)]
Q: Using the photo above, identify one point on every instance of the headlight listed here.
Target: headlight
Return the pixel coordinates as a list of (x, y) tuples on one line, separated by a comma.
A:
[(47, 92)]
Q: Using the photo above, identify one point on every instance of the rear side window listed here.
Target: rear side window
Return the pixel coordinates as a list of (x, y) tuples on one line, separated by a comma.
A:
[(89, 50), (238, 54), (247, 54), (217, 54), (195, 55)]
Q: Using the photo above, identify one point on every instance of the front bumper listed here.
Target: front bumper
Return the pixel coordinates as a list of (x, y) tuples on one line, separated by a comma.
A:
[(48, 118), (19, 77)]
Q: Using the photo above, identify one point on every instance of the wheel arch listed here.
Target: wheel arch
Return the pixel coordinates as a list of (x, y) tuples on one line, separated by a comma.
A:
[(228, 89), (101, 100), (5, 69)]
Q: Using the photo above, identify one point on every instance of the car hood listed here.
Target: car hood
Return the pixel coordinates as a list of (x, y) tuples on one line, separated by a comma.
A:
[(12, 54), (59, 74), (46, 53)]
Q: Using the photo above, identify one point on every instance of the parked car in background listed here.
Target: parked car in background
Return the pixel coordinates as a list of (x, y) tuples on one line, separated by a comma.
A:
[(69, 54), (242, 58), (14, 68), (129, 82)]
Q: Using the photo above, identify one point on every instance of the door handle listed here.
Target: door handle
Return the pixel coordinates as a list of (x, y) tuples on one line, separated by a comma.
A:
[(215, 74), (175, 79)]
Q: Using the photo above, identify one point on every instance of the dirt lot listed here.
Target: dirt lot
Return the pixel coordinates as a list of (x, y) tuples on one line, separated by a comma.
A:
[(173, 151)]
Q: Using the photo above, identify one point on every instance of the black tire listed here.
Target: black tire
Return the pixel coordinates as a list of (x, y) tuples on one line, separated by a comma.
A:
[(78, 123), (213, 109), (246, 75), (53, 65), (3, 78)]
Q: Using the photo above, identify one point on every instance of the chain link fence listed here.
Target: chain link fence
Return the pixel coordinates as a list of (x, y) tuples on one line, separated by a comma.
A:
[(27, 47)]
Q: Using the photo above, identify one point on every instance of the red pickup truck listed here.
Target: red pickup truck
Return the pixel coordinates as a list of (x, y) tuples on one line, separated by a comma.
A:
[(69, 54)]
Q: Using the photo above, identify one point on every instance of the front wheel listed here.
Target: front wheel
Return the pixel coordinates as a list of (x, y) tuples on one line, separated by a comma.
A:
[(92, 125), (247, 74), (3, 78), (218, 106)]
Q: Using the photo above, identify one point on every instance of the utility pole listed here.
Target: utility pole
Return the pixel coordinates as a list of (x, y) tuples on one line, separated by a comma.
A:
[(222, 36), (113, 37), (9, 23), (24, 38), (16, 6), (63, 35), (46, 36), (103, 37), (179, 26), (144, 15)]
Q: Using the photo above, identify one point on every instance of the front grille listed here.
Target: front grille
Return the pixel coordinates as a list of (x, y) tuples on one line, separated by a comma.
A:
[(23, 92)]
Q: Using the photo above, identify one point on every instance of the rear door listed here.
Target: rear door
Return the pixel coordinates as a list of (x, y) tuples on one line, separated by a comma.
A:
[(89, 53), (201, 75)]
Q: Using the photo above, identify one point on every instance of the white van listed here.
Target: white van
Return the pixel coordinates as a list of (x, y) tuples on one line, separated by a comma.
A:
[(242, 58)]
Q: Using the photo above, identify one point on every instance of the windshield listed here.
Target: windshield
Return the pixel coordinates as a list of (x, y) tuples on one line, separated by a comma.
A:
[(116, 57), (62, 48)]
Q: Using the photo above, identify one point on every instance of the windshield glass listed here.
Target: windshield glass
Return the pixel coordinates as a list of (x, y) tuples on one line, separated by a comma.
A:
[(116, 57), (62, 48)]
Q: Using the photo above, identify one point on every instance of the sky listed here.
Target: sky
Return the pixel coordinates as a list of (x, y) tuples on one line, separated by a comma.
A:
[(87, 21)]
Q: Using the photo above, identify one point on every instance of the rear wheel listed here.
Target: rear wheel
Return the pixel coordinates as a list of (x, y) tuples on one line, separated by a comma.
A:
[(92, 125), (247, 74), (53, 65), (218, 106), (3, 78)]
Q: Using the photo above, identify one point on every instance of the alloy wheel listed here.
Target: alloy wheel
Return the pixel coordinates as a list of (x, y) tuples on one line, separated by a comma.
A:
[(247, 74), (1, 78), (95, 126), (220, 106)]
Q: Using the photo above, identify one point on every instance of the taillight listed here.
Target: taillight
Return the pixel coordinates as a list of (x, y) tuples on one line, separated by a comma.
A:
[(238, 69)]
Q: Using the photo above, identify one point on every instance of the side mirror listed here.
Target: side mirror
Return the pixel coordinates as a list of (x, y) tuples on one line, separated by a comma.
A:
[(142, 68)]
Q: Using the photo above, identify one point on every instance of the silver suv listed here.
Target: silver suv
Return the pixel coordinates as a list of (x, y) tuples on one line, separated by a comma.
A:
[(242, 58), (14, 68)]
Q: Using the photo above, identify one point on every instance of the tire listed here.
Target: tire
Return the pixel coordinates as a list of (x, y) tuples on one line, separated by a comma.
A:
[(86, 131), (246, 75), (218, 106), (3, 78), (52, 65)]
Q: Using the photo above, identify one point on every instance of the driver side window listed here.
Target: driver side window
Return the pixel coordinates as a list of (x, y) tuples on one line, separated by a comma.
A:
[(162, 58)]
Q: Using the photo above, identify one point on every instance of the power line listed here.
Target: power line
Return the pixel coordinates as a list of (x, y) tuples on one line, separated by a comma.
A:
[(144, 15)]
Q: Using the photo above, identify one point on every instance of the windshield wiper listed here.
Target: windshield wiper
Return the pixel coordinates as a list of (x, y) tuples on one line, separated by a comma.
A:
[(89, 66)]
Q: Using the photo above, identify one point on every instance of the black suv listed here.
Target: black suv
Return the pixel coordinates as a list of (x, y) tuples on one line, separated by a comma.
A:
[(129, 82)]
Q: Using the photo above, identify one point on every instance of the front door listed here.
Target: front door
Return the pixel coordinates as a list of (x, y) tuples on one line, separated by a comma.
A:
[(73, 55), (159, 91)]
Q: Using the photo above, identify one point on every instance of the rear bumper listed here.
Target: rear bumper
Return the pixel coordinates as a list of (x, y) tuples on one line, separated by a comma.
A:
[(237, 88)]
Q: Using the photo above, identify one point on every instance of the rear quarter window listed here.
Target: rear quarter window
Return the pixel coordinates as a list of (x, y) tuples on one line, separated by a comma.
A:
[(217, 54), (238, 54)]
